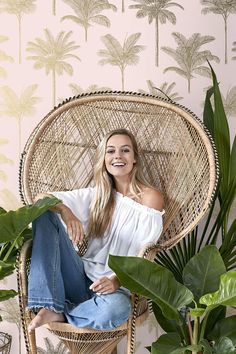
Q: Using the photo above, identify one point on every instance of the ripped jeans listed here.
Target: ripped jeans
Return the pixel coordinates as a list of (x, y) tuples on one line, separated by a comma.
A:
[(57, 281)]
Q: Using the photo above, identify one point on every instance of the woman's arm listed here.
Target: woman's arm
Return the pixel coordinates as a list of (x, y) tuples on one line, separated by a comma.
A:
[(73, 224)]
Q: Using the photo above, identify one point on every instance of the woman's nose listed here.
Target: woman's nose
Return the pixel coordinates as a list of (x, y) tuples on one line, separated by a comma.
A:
[(117, 155)]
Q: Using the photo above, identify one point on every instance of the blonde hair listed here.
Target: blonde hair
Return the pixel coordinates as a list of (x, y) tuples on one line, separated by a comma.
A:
[(103, 203)]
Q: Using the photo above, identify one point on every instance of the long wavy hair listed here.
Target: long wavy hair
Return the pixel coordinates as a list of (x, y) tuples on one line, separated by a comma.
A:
[(102, 206)]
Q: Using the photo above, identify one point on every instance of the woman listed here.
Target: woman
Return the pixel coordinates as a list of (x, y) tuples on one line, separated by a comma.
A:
[(119, 216)]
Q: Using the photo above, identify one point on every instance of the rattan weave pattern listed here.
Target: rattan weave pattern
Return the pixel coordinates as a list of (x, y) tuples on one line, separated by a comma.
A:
[(177, 153), (178, 158)]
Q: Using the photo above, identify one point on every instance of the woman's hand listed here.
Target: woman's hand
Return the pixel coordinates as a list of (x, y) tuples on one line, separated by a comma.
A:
[(105, 285), (73, 224)]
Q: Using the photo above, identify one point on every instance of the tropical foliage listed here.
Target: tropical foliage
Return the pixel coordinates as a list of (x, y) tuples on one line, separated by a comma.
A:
[(234, 50), (4, 160), (157, 11), (229, 102), (223, 8), (165, 91), (52, 54), (190, 59), (14, 230), (18, 8), (88, 12), (78, 90), (119, 55), (10, 312), (4, 57), (215, 230), (51, 349), (193, 313), (18, 107)]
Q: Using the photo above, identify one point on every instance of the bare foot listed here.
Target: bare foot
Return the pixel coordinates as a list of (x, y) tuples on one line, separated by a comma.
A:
[(45, 316)]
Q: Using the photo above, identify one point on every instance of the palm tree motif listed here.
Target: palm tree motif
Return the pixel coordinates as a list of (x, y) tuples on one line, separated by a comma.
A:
[(88, 12), (54, 7), (164, 91), (50, 349), (10, 312), (223, 8), (9, 200), (123, 5), (4, 160), (4, 57), (230, 102), (234, 50), (78, 90), (51, 54), (159, 12), (188, 56), (18, 8), (18, 107), (117, 55)]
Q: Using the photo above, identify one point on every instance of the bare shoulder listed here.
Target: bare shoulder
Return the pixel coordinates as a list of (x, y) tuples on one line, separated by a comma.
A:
[(152, 198)]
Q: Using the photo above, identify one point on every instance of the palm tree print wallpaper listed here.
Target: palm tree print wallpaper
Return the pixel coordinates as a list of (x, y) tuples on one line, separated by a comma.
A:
[(50, 50)]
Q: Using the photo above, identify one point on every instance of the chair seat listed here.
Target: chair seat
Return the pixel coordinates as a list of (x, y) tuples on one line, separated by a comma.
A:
[(92, 341)]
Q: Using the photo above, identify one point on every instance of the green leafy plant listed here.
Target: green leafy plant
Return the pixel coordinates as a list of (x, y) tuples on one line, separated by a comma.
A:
[(14, 231), (219, 230), (193, 313)]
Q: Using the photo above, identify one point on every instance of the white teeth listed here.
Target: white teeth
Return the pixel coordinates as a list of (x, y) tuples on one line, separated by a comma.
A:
[(118, 164)]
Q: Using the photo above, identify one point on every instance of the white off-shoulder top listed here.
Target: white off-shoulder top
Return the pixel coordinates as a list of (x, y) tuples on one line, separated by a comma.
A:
[(133, 226)]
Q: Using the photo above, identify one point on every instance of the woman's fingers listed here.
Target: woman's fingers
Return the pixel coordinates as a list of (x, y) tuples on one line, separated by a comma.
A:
[(103, 286), (75, 231)]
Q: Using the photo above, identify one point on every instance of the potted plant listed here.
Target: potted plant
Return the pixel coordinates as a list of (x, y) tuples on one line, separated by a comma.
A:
[(14, 231), (193, 313)]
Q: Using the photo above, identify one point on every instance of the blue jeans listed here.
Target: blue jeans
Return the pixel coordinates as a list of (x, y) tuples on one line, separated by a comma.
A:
[(57, 281)]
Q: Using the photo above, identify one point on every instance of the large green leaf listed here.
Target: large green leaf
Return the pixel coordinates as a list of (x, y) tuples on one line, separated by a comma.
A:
[(2, 211), (14, 222), (208, 114), (6, 269), (170, 343), (232, 173), (7, 294), (215, 316), (226, 327), (225, 346), (202, 273), (152, 281), (169, 326), (226, 295), (221, 135)]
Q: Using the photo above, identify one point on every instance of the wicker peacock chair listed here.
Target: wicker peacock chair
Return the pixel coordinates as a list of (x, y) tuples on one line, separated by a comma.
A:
[(178, 157)]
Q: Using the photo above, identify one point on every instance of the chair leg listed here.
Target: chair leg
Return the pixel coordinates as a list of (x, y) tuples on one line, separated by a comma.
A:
[(32, 343)]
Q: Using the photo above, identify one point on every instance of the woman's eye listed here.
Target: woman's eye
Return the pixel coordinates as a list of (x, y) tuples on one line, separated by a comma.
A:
[(110, 151), (125, 150)]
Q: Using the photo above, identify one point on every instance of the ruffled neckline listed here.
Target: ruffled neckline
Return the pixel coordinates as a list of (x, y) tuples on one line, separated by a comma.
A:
[(129, 201)]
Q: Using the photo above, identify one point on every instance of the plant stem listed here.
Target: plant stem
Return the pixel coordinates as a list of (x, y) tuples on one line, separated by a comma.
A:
[(195, 332), (203, 326), (190, 330), (10, 250)]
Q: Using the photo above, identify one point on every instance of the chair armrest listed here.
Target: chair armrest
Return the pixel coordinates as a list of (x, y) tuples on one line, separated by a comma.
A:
[(150, 250)]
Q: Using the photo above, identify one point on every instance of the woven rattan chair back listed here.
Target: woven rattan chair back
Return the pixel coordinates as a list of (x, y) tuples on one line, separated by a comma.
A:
[(176, 150)]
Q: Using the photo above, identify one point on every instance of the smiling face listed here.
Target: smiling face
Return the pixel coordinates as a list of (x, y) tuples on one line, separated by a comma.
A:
[(119, 156)]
